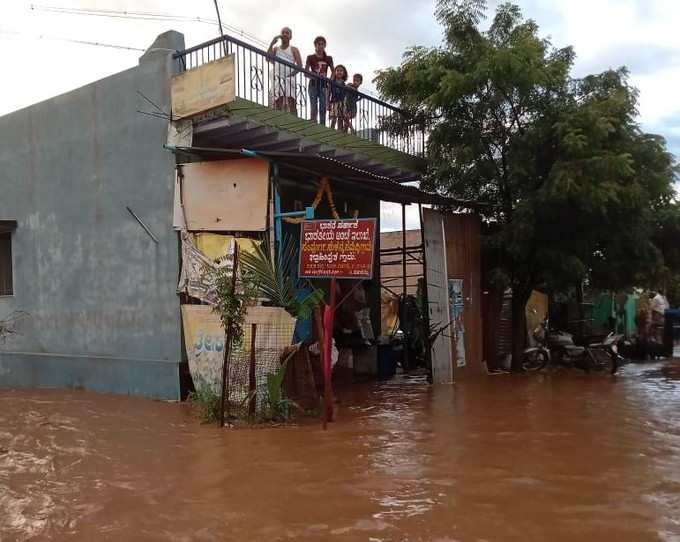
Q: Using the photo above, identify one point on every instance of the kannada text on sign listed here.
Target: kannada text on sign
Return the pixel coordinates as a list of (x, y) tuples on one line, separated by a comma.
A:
[(337, 248)]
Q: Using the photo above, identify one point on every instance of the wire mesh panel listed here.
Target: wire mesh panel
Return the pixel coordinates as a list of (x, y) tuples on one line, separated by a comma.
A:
[(256, 369)]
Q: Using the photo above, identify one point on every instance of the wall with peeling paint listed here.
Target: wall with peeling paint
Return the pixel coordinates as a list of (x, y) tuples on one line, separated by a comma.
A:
[(100, 292)]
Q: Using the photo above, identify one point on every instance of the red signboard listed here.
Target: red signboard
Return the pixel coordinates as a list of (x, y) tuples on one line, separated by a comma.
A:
[(341, 249)]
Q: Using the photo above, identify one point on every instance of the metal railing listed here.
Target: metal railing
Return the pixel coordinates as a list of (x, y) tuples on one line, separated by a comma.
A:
[(273, 82)]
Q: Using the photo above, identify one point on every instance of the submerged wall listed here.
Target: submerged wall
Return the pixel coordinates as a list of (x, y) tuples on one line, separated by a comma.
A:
[(99, 290)]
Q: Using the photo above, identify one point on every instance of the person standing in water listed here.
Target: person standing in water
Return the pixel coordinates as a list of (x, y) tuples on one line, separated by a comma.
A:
[(282, 82)]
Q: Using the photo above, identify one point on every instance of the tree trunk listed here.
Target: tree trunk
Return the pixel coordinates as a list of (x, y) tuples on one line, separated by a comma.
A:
[(491, 321), (579, 312), (519, 327)]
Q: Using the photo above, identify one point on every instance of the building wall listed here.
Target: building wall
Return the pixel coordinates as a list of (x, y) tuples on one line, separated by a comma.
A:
[(99, 291), (463, 261)]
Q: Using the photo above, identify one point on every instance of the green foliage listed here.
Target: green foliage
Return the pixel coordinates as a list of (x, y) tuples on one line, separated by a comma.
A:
[(664, 272), (273, 279), (232, 303), (205, 402), (277, 406), (571, 184)]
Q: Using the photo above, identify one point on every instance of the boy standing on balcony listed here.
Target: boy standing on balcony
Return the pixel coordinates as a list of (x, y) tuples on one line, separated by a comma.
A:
[(319, 63), (283, 77), (351, 99)]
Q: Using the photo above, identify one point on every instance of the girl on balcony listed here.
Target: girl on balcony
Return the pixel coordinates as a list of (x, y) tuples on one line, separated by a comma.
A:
[(282, 83), (336, 109)]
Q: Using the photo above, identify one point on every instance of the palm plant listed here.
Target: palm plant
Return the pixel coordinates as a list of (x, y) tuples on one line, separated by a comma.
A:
[(277, 405), (273, 278)]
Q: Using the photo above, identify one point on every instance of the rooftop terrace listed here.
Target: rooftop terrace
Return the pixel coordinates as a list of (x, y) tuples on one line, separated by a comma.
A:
[(259, 77)]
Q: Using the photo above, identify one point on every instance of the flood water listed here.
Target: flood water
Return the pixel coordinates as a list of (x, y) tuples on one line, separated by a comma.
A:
[(528, 458)]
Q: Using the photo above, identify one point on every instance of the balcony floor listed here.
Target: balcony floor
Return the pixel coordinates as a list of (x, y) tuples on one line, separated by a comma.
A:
[(245, 124)]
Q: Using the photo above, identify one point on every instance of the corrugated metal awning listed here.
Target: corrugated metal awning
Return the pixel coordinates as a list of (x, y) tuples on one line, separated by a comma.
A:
[(307, 168)]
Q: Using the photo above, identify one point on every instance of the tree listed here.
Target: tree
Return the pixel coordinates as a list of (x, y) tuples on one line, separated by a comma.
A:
[(664, 275), (569, 181)]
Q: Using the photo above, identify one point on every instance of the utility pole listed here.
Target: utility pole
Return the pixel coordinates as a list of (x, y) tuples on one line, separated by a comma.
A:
[(219, 22)]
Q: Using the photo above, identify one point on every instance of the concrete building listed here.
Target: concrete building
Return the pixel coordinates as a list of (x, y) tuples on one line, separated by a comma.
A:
[(98, 289), (89, 246)]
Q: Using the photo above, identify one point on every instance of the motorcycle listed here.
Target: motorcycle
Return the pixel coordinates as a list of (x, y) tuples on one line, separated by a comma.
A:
[(610, 348), (558, 347), (536, 358), (594, 357)]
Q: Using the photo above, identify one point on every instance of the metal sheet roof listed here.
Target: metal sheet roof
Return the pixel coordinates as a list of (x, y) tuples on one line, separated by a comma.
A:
[(307, 168), (242, 124)]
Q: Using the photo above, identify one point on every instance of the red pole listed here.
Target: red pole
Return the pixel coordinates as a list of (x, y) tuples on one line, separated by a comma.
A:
[(318, 319), (329, 313)]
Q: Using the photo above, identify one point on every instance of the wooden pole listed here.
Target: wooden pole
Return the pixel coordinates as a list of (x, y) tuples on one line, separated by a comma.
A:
[(402, 308), (219, 22), (252, 384), (426, 297), (227, 344), (329, 314), (403, 248), (272, 221)]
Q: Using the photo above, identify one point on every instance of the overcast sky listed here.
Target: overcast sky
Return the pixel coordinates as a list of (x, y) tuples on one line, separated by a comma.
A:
[(364, 35)]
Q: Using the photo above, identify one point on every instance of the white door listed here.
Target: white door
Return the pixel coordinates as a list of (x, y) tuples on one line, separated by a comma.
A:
[(438, 295)]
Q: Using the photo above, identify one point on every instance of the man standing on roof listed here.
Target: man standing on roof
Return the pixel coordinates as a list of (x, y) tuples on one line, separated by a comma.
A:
[(282, 82)]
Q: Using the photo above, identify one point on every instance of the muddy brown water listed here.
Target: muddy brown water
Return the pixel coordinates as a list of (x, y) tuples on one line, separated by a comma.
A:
[(545, 458)]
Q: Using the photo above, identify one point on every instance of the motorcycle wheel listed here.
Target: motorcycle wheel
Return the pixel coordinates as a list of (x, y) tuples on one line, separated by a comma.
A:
[(599, 359), (534, 360)]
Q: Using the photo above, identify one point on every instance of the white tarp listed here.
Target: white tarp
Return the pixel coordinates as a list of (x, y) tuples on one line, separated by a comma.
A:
[(197, 276)]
